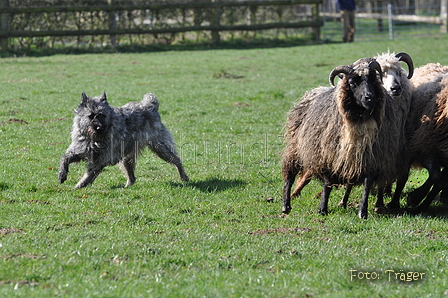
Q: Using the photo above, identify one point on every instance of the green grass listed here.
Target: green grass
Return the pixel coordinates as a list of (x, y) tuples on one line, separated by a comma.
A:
[(219, 235)]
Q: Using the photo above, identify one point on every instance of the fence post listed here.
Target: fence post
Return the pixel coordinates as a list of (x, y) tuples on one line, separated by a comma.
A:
[(316, 30), (4, 18), (444, 16), (112, 23), (390, 21), (216, 21)]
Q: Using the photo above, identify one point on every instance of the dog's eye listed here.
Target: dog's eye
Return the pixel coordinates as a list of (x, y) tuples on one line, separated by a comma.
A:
[(91, 116)]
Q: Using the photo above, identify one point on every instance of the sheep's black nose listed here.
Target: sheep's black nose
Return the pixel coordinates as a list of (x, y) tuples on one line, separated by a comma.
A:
[(369, 97), (396, 90), (369, 101)]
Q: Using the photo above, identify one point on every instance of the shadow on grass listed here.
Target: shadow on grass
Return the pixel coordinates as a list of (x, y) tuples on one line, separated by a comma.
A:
[(184, 46), (435, 210), (211, 185)]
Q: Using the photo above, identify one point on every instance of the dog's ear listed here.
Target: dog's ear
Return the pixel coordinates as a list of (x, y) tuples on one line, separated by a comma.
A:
[(84, 98), (103, 96)]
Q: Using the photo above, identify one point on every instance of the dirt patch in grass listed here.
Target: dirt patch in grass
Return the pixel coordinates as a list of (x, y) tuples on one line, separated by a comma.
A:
[(21, 255), (14, 120), (6, 231), (38, 202), (20, 283), (280, 231)]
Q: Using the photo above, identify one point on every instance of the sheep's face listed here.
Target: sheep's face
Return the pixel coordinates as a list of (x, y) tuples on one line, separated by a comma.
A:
[(392, 81), (393, 74), (358, 87), (363, 90)]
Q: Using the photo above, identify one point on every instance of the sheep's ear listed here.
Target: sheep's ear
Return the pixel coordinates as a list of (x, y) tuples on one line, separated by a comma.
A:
[(103, 96)]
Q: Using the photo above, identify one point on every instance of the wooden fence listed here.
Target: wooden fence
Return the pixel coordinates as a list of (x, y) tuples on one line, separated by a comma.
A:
[(112, 20)]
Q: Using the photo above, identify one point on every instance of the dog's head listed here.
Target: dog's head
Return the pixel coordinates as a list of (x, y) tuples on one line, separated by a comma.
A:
[(94, 115)]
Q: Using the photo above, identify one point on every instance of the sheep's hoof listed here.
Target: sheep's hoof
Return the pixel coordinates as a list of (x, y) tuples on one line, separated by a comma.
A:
[(443, 200), (414, 198), (380, 210), (393, 206), (362, 215), (323, 212), (343, 204), (286, 210), (414, 211)]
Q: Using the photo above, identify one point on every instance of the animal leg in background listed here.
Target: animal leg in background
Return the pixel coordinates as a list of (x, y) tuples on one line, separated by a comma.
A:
[(438, 186), (301, 182), (433, 166), (326, 190), (444, 195), (343, 202), (401, 182), (379, 205)]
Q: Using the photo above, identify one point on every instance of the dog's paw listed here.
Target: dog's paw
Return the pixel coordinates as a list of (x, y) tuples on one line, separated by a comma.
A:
[(62, 177)]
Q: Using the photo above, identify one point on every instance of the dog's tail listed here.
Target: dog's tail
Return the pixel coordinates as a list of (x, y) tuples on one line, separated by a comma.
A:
[(150, 101)]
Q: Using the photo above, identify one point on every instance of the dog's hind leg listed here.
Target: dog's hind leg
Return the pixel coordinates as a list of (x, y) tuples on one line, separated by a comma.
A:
[(168, 154), (90, 175), (127, 165)]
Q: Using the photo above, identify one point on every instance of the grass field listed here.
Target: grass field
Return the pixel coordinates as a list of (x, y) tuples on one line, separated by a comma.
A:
[(220, 235)]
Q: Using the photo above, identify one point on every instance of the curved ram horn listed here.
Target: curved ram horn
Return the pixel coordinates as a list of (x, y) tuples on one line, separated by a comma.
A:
[(408, 60), (338, 70), (374, 65)]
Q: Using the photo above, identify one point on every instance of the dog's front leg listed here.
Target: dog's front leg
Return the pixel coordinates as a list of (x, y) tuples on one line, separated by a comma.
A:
[(66, 159), (90, 175)]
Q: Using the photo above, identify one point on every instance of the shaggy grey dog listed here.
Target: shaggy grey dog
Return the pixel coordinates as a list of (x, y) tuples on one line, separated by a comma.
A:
[(104, 135)]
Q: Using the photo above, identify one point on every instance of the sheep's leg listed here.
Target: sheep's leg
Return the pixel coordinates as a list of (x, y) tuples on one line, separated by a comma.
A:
[(302, 181), (401, 182), (388, 189), (379, 205), (440, 184), (289, 180), (433, 167), (362, 213), (444, 195), (348, 190), (326, 189)]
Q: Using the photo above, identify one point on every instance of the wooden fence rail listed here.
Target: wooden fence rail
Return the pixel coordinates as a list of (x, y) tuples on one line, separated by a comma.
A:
[(114, 19)]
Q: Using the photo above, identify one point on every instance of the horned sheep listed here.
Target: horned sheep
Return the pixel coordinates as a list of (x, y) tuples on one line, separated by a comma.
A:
[(346, 134), (397, 84), (428, 128)]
